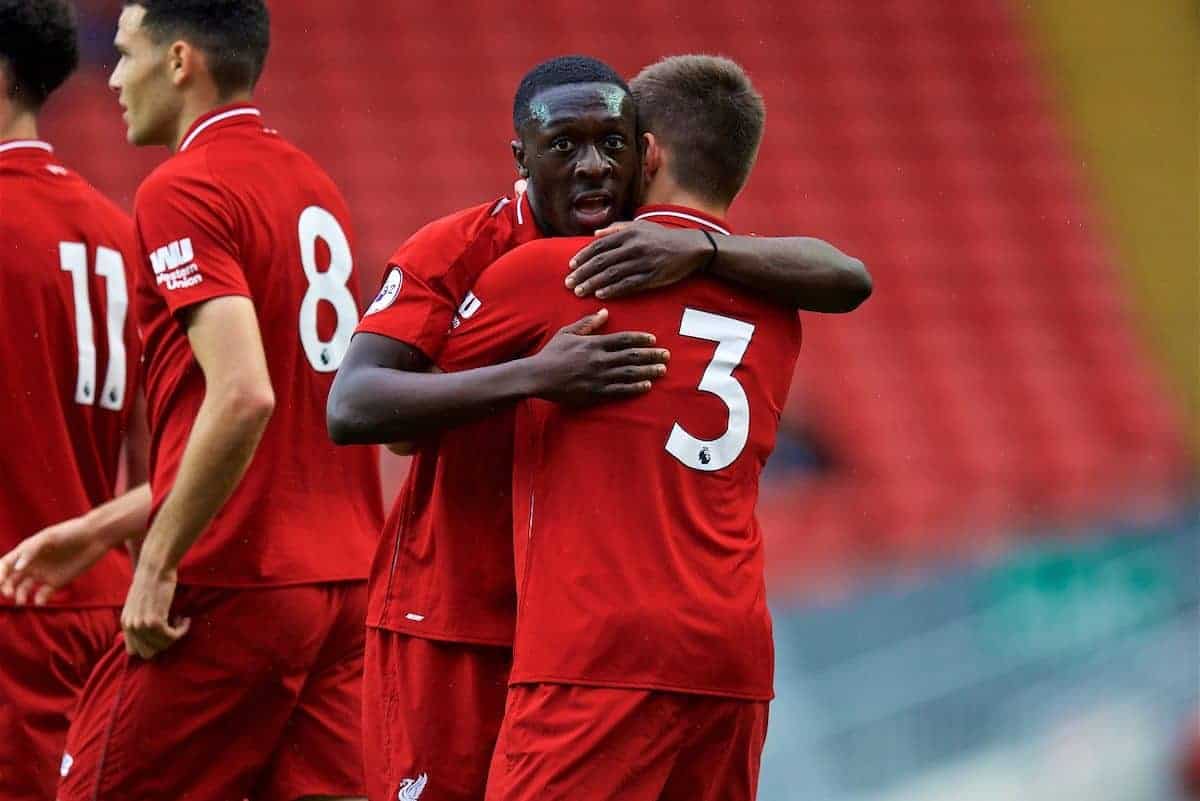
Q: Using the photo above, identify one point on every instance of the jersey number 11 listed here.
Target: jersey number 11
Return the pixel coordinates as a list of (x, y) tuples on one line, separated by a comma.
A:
[(110, 266)]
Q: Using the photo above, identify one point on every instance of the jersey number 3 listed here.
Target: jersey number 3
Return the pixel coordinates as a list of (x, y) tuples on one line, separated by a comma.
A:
[(732, 338), (72, 257), (325, 355)]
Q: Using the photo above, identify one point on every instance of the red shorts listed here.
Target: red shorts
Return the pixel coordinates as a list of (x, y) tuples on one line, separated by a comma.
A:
[(261, 699), (431, 714), (47, 657), (578, 743)]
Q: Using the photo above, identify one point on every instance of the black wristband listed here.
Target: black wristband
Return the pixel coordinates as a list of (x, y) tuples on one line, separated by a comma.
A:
[(712, 256)]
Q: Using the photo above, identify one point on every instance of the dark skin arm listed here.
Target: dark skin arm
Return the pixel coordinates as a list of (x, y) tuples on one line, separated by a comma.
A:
[(802, 272), (384, 394)]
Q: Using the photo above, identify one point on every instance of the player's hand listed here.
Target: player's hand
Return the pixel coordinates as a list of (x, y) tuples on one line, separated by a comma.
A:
[(47, 561), (579, 366), (631, 257), (146, 616)]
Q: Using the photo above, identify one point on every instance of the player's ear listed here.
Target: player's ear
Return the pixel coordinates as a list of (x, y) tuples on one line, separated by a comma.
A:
[(181, 61), (652, 157), (518, 149)]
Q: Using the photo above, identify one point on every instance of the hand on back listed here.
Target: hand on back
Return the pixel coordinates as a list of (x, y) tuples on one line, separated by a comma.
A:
[(579, 366), (631, 257)]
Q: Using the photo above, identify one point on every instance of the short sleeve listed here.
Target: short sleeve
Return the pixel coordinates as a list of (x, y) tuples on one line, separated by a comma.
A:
[(410, 307), (428, 276), (188, 238)]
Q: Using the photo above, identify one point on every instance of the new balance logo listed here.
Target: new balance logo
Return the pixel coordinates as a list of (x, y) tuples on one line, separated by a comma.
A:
[(411, 789), (169, 257), (466, 310), (469, 306), (65, 767)]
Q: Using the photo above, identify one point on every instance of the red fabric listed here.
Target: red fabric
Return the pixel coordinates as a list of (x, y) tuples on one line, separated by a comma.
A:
[(261, 699), (48, 654), (640, 566), (444, 568), (591, 744), (61, 449), (1189, 762), (431, 715), (215, 220)]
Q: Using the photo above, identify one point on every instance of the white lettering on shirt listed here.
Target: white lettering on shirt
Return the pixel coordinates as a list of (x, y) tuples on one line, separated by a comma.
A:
[(174, 265)]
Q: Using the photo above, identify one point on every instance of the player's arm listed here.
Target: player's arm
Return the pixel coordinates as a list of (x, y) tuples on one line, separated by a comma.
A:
[(46, 562), (807, 273), (520, 311), (384, 393), (238, 403), (52, 558)]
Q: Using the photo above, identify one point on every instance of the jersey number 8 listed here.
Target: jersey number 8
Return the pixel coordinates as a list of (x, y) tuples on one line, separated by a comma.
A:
[(325, 355)]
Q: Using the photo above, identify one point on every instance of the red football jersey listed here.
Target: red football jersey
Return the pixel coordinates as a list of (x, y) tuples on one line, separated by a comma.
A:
[(66, 269), (239, 211), (444, 568), (639, 559)]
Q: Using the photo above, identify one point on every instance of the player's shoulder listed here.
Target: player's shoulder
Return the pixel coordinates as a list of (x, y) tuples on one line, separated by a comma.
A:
[(188, 168), (51, 176), (441, 243), (250, 166), (721, 297), (259, 154), (534, 272), (779, 321), (60, 197), (214, 162), (551, 247), (102, 204), (539, 261)]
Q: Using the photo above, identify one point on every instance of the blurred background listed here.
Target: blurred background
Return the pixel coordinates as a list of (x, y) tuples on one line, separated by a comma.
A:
[(982, 516)]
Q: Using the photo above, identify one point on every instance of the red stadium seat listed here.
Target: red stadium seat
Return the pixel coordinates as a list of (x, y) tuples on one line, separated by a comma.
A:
[(993, 382)]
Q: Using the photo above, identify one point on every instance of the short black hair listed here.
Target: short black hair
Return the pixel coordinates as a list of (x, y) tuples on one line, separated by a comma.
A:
[(234, 34), (39, 48), (560, 71), (708, 113)]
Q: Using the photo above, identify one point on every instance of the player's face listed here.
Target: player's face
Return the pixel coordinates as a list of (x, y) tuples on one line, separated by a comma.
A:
[(143, 78), (580, 154)]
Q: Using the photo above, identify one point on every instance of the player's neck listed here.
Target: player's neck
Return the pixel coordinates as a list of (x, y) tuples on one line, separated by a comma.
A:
[(195, 108), (16, 123), (667, 193)]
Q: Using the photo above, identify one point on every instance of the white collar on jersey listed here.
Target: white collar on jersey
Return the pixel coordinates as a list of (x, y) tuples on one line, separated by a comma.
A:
[(519, 187), (682, 216), (224, 115), (519, 192), (37, 144)]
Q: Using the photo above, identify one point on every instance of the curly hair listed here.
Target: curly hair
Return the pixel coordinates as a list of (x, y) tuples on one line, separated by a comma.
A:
[(39, 48)]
